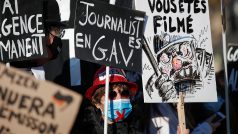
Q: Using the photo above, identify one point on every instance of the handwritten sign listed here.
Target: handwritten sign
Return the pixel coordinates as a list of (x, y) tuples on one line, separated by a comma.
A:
[(30, 106), (232, 59), (181, 45), (21, 30), (108, 35)]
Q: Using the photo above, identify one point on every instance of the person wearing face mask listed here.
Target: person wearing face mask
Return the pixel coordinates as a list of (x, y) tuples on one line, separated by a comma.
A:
[(122, 116), (53, 30)]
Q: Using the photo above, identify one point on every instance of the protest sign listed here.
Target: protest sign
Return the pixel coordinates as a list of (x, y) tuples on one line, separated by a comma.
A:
[(108, 35), (21, 30), (179, 38), (30, 106), (232, 59)]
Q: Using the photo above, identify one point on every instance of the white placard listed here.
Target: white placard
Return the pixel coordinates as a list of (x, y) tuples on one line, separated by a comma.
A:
[(179, 37)]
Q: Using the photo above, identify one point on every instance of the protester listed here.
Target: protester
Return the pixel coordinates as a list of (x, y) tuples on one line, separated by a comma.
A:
[(53, 30), (220, 105), (122, 116)]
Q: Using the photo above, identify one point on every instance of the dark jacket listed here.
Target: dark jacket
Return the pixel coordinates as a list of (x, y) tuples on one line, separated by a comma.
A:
[(92, 123)]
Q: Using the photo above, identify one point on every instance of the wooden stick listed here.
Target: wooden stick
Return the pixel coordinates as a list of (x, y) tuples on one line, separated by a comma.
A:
[(107, 91), (106, 99), (181, 113)]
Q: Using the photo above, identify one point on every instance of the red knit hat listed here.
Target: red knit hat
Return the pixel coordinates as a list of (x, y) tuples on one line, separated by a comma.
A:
[(115, 76)]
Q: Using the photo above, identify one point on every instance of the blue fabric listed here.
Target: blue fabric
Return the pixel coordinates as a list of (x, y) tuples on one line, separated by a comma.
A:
[(214, 106), (75, 72)]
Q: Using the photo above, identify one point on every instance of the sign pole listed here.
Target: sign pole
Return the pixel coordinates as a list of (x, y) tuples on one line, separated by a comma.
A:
[(180, 105), (181, 113), (223, 16), (107, 90), (106, 99)]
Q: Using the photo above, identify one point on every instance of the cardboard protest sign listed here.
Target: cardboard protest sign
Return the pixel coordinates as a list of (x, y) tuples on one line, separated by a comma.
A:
[(30, 106), (179, 38), (108, 34), (21, 30), (232, 59)]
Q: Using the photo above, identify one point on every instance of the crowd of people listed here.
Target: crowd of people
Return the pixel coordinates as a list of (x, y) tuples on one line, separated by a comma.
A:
[(127, 112)]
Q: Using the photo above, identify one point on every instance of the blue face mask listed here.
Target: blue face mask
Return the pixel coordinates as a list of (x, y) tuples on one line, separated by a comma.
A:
[(119, 109)]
